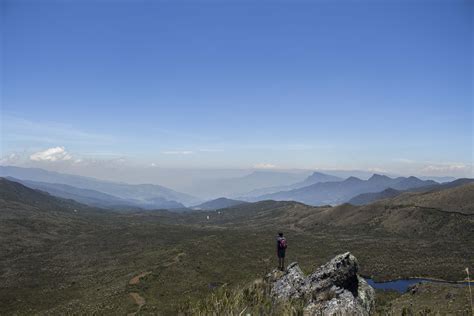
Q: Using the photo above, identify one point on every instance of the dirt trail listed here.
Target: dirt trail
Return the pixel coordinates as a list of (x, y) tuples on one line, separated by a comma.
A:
[(137, 298), (136, 279)]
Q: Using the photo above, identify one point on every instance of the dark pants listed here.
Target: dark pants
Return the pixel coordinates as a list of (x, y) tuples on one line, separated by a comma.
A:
[(281, 259)]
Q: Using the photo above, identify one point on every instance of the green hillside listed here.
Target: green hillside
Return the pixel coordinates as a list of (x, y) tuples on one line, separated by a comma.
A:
[(58, 261)]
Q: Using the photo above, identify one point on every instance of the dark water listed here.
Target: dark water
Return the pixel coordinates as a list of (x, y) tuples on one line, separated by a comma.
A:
[(402, 285)]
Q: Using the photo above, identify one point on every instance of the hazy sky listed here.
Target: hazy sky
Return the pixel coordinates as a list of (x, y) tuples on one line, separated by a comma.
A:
[(375, 85)]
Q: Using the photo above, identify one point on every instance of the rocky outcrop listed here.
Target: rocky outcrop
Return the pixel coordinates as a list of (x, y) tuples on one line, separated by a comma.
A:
[(333, 289)]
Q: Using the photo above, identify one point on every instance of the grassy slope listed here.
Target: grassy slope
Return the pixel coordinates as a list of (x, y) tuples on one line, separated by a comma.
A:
[(59, 261), (459, 199), (428, 299)]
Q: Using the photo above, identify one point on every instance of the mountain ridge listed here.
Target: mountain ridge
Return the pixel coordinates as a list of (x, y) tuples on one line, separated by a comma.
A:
[(219, 203), (141, 192), (366, 198), (44, 238), (342, 191), (315, 177)]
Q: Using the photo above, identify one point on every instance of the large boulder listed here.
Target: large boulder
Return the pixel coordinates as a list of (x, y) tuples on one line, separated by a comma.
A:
[(335, 288)]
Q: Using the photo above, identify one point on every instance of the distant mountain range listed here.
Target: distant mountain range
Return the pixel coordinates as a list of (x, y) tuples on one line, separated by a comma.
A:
[(339, 192), (54, 249), (99, 192), (315, 177), (96, 198), (444, 212), (219, 203), (314, 189), (238, 186), (367, 198)]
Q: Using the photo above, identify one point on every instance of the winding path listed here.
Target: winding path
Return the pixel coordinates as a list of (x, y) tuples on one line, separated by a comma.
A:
[(136, 279), (137, 298)]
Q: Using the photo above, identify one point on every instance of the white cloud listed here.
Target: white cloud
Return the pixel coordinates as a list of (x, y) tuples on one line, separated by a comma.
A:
[(51, 154), (85, 162), (431, 168), (447, 167), (178, 152), (264, 166), (10, 159)]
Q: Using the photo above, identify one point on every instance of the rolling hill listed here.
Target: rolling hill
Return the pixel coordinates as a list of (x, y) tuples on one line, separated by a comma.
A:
[(459, 199), (367, 198), (143, 193), (17, 192), (442, 212), (66, 257), (95, 198)]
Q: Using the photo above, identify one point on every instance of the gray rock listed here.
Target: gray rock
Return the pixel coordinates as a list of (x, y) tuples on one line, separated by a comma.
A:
[(287, 284), (335, 288)]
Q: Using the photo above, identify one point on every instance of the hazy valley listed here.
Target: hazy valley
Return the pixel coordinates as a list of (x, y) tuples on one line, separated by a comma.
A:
[(241, 158), (62, 256)]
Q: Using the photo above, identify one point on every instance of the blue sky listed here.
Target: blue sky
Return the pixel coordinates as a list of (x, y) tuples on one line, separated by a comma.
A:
[(323, 84)]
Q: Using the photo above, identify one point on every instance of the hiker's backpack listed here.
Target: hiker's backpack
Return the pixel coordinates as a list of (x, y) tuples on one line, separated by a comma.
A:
[(283, 243)]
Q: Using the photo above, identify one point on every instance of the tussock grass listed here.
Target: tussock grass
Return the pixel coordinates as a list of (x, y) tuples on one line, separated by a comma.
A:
[(241, 300)]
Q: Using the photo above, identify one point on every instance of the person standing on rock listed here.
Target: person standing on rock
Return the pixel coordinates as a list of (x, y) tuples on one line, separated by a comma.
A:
[(281, 249)]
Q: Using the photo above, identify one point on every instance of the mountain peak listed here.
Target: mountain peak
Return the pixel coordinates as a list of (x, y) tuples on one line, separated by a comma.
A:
[(377, 176), (352, 179), (317, 177), (317, 173), (411, 179)]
